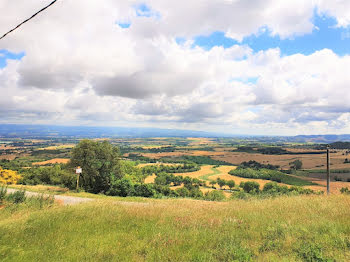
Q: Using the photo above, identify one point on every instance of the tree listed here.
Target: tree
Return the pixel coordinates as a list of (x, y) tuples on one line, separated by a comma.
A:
[(212, 183), (251, 187), (100, 163), (296, 165), (231, 184), (221, 182)]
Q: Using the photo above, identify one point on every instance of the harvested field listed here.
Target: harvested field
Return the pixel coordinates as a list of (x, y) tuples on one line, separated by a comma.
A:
[(200, 141), (52, 161), (8, 157), (67, 146), (184, 153), (156, 164), (310, 161), (150, 179), (197, 174)]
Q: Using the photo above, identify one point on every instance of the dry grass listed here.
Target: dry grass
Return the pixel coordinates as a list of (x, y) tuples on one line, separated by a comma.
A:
[(282, 229), (52, 161), (202, 172)]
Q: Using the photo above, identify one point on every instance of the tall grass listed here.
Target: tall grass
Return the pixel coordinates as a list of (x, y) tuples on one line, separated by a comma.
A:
[(303, 228)]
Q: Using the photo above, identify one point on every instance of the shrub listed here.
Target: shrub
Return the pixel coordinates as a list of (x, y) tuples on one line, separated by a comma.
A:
[(251, 187), (196, 193), (145, 190), (17, 197), (214, 196), (345, 190), (9, 177), (3, 192), (123, 187), (183, 192), (231, 184), (221, 182), (337, 178)]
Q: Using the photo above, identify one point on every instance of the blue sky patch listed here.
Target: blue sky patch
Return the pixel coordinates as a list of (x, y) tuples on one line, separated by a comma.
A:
[(325, 35), (5, 55), (144, 10), (124, 25)]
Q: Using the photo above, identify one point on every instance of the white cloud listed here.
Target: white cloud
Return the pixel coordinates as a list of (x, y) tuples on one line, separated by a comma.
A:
[(81, 67)]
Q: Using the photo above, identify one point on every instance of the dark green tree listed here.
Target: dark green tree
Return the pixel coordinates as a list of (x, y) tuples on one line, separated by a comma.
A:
[(231, 184), (221, 182), (100, 163), (296, 165)]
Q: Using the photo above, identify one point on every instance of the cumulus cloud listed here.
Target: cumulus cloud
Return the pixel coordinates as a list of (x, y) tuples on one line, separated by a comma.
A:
[(81, 67)]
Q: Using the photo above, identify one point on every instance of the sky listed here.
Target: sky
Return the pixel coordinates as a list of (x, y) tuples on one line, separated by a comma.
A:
[(257, 67)]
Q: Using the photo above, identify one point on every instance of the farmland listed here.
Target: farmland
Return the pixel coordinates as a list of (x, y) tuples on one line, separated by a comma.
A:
[(201, 199)]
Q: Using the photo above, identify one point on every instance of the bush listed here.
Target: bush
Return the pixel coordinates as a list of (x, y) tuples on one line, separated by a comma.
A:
[(345, 190), (144, 190), (337, 178), (214, 196), (231, 184), (55, 175), (251, 187), (17, 197), (9, 177), (3, 192), (183, 192), (123, 187)]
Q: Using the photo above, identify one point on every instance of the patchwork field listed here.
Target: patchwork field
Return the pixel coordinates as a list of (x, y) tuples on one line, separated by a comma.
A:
[(52, 161)]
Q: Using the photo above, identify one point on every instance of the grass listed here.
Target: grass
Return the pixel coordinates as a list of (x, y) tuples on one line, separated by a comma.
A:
[(301, 228), (214, 172)]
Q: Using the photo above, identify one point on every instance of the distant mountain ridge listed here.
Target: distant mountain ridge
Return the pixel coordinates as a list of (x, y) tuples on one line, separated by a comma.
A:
[(32, 131), (50, 131)]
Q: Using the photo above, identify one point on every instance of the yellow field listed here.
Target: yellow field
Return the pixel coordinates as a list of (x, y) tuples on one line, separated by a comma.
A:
[(52, 161), (67, 146)]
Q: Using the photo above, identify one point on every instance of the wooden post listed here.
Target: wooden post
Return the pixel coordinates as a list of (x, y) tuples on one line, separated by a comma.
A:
[(328, 171), (78, 181)]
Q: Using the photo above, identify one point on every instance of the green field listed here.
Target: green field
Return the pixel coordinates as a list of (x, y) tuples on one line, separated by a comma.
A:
[(302, 228)]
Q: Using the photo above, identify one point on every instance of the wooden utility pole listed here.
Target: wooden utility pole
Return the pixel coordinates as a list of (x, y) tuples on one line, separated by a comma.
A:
[(328, 170)]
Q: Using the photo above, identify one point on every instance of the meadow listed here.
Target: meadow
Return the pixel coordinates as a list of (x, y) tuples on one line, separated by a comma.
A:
[(302, 228)]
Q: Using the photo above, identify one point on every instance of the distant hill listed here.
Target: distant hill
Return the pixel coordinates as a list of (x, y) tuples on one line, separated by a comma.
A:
[(50, 131), (322, 138), (33, 131)]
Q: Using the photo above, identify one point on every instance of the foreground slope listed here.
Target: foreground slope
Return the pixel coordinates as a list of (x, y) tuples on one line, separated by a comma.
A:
[(305, 228)]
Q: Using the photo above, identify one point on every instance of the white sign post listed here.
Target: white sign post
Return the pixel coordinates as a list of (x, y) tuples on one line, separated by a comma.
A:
[(78, 171)]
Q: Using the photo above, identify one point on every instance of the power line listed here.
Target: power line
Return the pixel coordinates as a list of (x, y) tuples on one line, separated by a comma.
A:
[(25, 21)]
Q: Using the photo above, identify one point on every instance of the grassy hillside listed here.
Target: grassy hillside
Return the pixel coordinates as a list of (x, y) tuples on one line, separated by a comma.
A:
[(305, 228)]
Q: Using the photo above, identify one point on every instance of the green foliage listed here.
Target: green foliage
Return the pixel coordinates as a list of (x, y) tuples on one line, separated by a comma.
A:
[(221, 182), (204, 160), (256, 165), (100, 164), (123, 187), (345, 190), (3, 192), (231, 184), (272, 151), (214, 195), (147, 190), (267, 174), (55, 175), (251, 187), (183, 192), (311, 252), (296, 165), (17, 197)]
